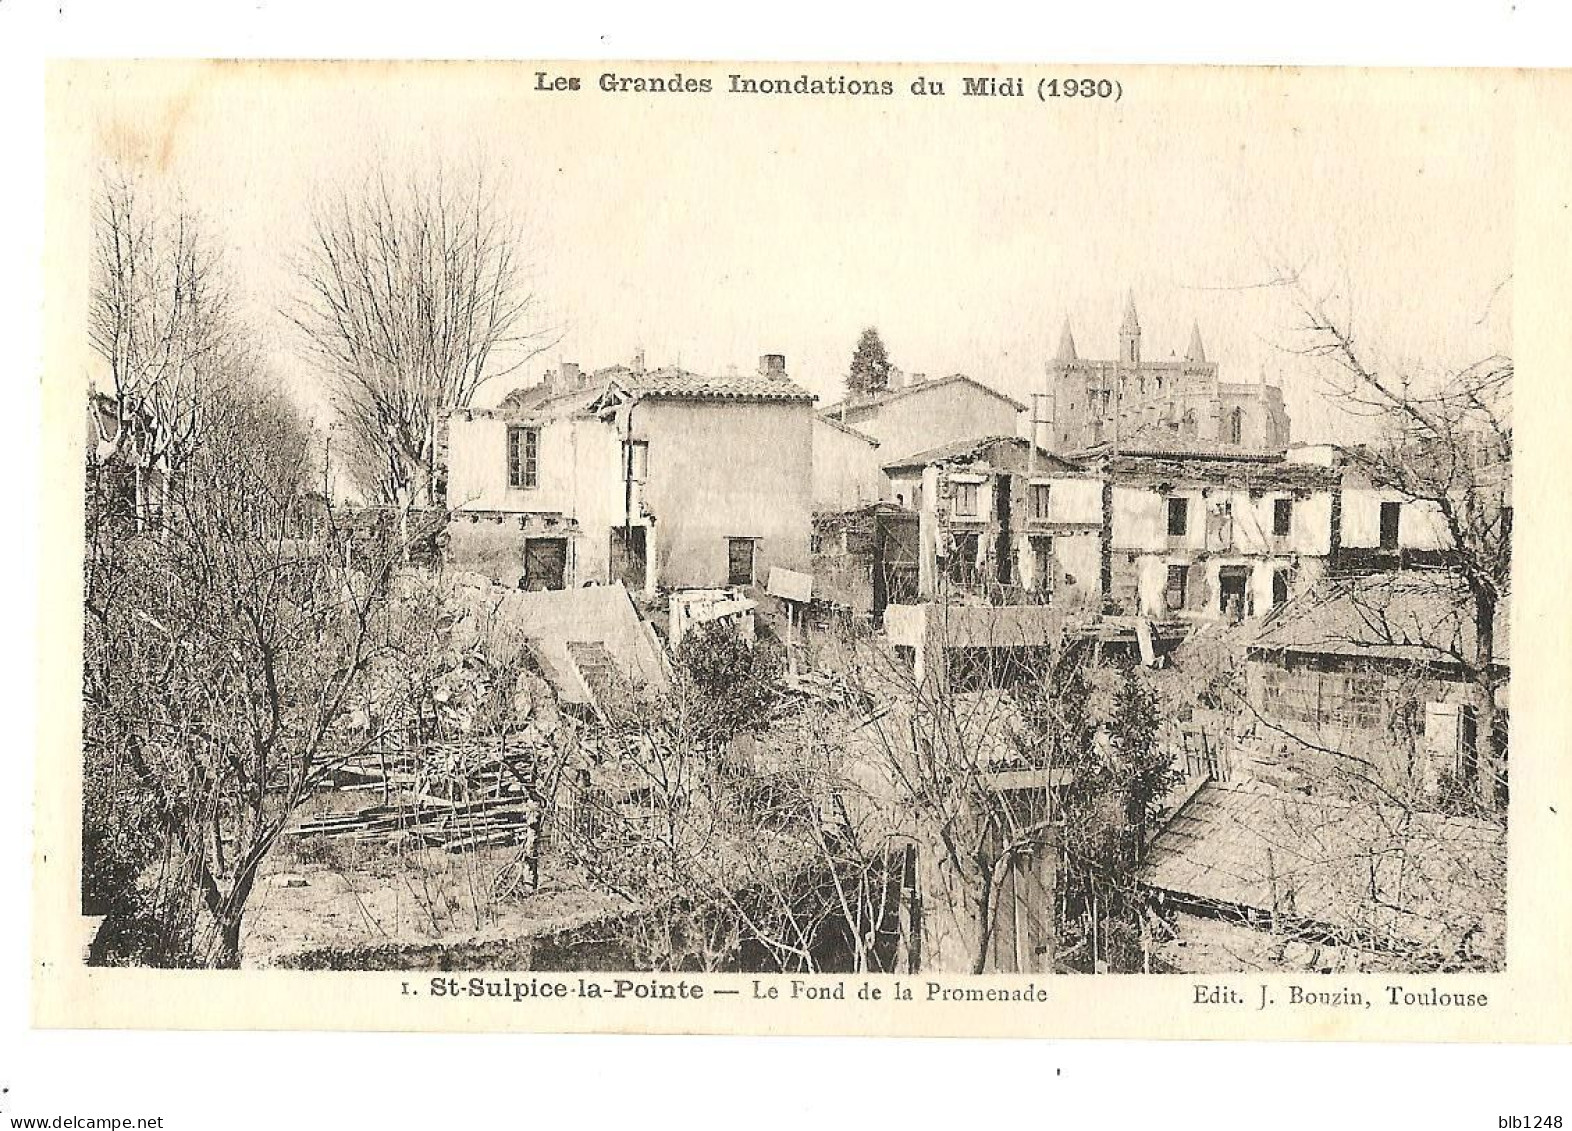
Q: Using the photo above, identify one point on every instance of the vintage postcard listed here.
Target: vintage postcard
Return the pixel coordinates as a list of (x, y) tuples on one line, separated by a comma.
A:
[(805, 548)]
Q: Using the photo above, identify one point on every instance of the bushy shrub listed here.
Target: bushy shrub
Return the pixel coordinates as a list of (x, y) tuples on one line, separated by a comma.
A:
[(735, 679)]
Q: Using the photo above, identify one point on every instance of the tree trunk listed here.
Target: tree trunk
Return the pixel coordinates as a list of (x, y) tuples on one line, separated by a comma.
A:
[(230, 915), (1490, 761), (226, 951), (983, 918)]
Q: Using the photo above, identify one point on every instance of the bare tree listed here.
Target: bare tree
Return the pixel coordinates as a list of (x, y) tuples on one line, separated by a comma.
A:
[(221, 656), (1446, 444), (1023, 771), (1350, 848), (162, 317), (415, 293)]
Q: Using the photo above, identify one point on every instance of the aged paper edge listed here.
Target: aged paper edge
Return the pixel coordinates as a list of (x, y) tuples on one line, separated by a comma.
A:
[(1530, 1002)]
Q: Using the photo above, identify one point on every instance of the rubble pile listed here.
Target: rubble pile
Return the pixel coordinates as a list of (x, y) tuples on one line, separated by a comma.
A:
[(459, 795)]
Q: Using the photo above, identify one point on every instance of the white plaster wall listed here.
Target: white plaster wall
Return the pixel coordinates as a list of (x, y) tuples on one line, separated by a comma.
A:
[(1421, 526), (580, 477), (600, 496), (907, 491), (1079, 556), (1312, 528), (577, 460), (1362, 516), (1140, 520), (845, 469), (938, 416), (1074, 499), (1152, 581), (720, 470)]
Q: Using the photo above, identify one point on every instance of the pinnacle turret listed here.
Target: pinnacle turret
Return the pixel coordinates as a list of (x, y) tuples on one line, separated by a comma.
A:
[(1066, 344), (1130, 333), (1196, 351)]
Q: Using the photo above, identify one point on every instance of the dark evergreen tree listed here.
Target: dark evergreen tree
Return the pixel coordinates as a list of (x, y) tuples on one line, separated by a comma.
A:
[(870, 365)]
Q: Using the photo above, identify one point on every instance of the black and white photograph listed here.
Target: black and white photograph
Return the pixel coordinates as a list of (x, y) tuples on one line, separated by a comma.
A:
[(765, 530)]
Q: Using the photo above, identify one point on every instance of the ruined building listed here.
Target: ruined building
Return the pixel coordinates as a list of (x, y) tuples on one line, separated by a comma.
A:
[(1184, 398)]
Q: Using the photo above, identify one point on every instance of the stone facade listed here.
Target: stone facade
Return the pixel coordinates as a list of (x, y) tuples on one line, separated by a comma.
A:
[(1183, 397), (1209, 539)]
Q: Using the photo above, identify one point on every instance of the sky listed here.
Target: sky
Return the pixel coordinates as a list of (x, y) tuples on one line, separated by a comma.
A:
[(710, 229)]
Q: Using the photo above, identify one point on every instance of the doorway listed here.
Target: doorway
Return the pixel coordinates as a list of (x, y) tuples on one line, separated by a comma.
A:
[(545, 563), (629, 557), (1233, 585), (1003, 550)]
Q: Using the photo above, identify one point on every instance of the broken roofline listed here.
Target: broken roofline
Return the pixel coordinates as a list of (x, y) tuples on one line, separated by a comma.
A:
[(791, 394), (1216, 849), (1180, 447), (975, 452), (1406, 615), (849, 430), (1256, 474)]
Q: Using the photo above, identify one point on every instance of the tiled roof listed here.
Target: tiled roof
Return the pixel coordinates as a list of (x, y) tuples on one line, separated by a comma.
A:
[(977, 450), (1423, 879), (542, 402), (862, 405), (1417, 615), (680, 384), (539, 402)]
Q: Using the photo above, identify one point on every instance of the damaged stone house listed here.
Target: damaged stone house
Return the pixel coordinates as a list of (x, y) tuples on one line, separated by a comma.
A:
[(982, 520), (998, 520), (1003, 539), (658, 478), (1200, 532), (1376, 669), (865, 557), (1374, 526)]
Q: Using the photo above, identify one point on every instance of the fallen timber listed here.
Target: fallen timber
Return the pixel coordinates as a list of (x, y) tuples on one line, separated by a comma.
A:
[(457, 827), (458, 795)]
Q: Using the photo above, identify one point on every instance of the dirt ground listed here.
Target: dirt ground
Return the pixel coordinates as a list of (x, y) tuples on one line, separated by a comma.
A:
[(344, 894)]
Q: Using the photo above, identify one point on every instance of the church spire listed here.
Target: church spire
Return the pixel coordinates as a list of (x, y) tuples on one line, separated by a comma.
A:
[(1130, 333), (1066, 343), (1196, 352), (1132, 324)]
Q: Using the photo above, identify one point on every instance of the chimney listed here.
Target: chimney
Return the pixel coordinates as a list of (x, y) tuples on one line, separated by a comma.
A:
[(897, 378), (772, 365), (548, 381), (638, 360), (570, 375)]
